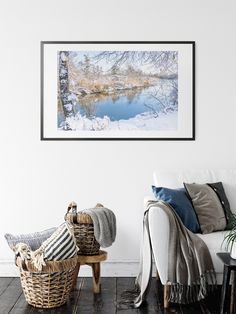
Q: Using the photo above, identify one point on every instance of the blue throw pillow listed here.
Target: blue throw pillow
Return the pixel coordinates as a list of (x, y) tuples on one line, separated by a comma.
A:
[(179, 200)]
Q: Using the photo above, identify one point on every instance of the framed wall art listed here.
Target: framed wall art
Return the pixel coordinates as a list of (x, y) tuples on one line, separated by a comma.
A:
[(117, 90)]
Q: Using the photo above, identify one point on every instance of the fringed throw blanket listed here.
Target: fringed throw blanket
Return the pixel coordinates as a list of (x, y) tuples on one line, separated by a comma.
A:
[(190, 267)]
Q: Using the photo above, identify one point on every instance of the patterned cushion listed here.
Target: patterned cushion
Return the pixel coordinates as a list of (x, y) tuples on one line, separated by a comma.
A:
[(208, 207), (61, 245), (34, 240)]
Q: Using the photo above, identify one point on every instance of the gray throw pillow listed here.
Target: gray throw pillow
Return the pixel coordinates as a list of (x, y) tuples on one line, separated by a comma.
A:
[(219, 190), (34, 240), (208, 207)]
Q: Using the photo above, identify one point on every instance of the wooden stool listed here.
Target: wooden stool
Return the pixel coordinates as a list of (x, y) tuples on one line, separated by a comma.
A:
[(93, 261)]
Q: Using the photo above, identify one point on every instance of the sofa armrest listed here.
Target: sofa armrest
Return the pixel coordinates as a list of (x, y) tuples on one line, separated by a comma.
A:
[(146, 199), (159, 233)]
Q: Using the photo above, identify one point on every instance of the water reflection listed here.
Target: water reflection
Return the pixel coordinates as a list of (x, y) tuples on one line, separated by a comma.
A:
[(120, 105), (125, 104)]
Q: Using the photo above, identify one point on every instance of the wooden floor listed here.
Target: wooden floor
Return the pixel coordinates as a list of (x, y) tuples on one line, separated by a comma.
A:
[(84, 301)]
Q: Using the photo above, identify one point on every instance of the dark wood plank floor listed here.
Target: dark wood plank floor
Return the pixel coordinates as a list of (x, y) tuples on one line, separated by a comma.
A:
[(83, 301)]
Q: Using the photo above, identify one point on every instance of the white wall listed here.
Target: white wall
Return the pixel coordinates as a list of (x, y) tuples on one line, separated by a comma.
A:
[(38, 179)]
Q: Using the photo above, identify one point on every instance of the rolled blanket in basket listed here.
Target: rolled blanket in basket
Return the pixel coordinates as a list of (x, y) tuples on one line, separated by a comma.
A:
[(104, 221), (23, 251)]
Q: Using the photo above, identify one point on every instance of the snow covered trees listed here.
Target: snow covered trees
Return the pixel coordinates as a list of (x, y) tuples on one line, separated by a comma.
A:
[(66, 97), (163, 62)]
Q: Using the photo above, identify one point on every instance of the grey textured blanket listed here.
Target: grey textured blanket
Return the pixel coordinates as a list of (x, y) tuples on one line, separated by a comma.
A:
[(104, 222), (190, 268)]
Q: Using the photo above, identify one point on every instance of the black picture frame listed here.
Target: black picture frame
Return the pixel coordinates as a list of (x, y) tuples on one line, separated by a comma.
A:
[(44, 137)]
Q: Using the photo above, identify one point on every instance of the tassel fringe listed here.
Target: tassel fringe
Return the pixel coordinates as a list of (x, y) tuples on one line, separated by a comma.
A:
[(179, 293), (127, 298), (185, 294)]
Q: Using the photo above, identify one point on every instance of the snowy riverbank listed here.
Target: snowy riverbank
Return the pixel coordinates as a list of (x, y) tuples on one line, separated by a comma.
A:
[(145, 121)]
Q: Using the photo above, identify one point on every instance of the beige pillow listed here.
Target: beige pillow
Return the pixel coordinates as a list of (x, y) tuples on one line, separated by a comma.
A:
[(208, 207)]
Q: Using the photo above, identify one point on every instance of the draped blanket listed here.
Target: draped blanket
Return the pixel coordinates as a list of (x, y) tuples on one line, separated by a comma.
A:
[(190, 269), (104, 221)]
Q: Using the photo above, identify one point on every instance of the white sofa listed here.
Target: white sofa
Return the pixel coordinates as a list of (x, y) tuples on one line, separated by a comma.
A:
[(159, 224)]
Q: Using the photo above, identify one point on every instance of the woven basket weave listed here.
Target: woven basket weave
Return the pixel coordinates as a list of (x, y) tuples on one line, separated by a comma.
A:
[(83, 231), (51, 287)]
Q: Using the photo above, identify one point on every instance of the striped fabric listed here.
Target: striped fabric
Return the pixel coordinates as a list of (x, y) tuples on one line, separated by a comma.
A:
[(61, 245)]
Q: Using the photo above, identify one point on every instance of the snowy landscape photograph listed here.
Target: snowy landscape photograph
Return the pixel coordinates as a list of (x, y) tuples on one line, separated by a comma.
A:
[(117, 92)]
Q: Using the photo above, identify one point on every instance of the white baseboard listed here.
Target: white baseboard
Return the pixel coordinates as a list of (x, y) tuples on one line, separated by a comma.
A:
[(8, 269), (112, 268)]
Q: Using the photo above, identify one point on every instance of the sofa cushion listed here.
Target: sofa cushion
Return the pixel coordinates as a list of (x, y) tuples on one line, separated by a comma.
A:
[(178, 199), (219, 190), (208, 207), (174, 179)]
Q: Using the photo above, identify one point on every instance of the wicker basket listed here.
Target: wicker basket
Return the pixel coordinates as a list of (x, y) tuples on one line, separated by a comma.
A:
[(83, 231), (51, 287)]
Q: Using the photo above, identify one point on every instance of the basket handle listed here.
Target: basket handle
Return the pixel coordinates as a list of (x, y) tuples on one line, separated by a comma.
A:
[(72, 208), (99, 205)]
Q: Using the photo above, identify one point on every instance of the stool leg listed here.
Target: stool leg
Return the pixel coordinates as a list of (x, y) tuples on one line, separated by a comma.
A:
[(225, 286), (75, 276), (96, 277)]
